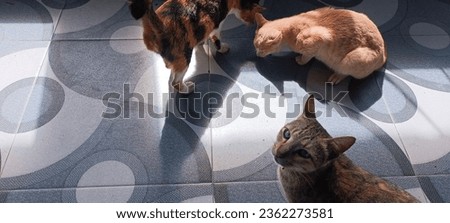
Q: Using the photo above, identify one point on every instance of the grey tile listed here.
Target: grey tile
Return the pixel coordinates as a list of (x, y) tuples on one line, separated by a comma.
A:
[(249, 192), (213, 145), (20, 62), (411, 185), (99, 19), (96, 68), (143, 150), (27, 20), (130, 194), (418, 64), (436, 188)]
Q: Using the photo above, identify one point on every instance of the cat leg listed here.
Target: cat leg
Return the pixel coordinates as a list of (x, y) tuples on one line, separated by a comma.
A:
[(176, 81), (303, 59), (308, 43), (307, 47), (178, 69), (215, 38), (336, 78), (361, 62)]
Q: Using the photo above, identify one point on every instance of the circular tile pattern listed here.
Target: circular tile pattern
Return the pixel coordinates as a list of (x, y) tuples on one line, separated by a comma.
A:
[(421, 59), (97, 76), (46, 100), (107, 168), (400, 99), (106, 173), (421, 33), (84, 11), (26, 20), (426, 37), (386, 14), (131, 32)]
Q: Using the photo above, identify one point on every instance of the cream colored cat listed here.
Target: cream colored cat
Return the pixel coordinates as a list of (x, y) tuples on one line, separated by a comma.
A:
[(348, 42)]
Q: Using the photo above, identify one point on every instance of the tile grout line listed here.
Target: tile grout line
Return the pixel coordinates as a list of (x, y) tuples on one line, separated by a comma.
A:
[(27, 101), (32, 88), (395, 126), (209, 53)]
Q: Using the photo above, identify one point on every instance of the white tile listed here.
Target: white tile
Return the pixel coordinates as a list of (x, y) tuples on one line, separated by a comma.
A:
[(426, 135), (88, 15), (18, 65), (76, 120)]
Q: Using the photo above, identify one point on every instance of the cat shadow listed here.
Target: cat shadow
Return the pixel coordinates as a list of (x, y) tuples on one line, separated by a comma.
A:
[(183, 155), (313, 76), (282, 67)]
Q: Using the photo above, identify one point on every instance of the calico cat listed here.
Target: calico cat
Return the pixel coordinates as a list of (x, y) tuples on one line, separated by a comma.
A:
[(346, 41), (312, 167), (177, 26)]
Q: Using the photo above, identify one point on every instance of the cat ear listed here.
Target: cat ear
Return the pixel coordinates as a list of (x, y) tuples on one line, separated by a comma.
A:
[(337, 146), (260, 20), (342, 144), (310, 108)]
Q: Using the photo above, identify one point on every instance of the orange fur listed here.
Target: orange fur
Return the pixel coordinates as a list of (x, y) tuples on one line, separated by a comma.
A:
[(346, 41)]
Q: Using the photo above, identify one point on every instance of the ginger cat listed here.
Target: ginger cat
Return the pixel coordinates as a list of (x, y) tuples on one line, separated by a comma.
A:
[(313, 167), (178, 26), (348, 42)]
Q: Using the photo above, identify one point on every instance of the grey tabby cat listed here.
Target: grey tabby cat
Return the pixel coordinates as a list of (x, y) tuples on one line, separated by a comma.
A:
[(313, 167)]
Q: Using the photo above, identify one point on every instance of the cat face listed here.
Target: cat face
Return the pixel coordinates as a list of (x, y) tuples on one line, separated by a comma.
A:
[(267, 38), (304, 144)]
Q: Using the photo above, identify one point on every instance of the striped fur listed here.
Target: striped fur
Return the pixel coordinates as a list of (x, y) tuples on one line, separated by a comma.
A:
[(313, 167)]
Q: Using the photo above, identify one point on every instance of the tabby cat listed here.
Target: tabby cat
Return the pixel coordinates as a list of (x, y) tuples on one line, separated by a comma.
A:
[(346, 41), (313, 168), (177, 26)]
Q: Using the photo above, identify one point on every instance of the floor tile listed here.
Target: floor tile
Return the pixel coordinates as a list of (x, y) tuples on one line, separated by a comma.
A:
[(411, 185), (103, 141), (156, 194), (426, 144), (87, 115), (99, 19), (248, 192), (436, 188), (27, 20), (16, 84)]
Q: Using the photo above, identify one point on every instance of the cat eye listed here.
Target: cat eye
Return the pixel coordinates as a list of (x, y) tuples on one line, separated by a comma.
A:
[(286, 134), (303, 153)]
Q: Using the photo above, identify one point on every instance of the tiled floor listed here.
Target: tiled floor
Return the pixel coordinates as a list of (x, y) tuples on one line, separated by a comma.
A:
[(86, 114)]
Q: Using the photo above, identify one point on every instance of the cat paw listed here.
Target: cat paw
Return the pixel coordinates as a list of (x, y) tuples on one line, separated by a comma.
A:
[(187, 87), (184, 88), (302, 60), (335, 79), (224, 48)]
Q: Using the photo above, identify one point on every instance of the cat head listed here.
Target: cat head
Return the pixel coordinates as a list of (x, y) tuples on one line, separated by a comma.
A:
[(304, 145), (267, 38), (246, 10)]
